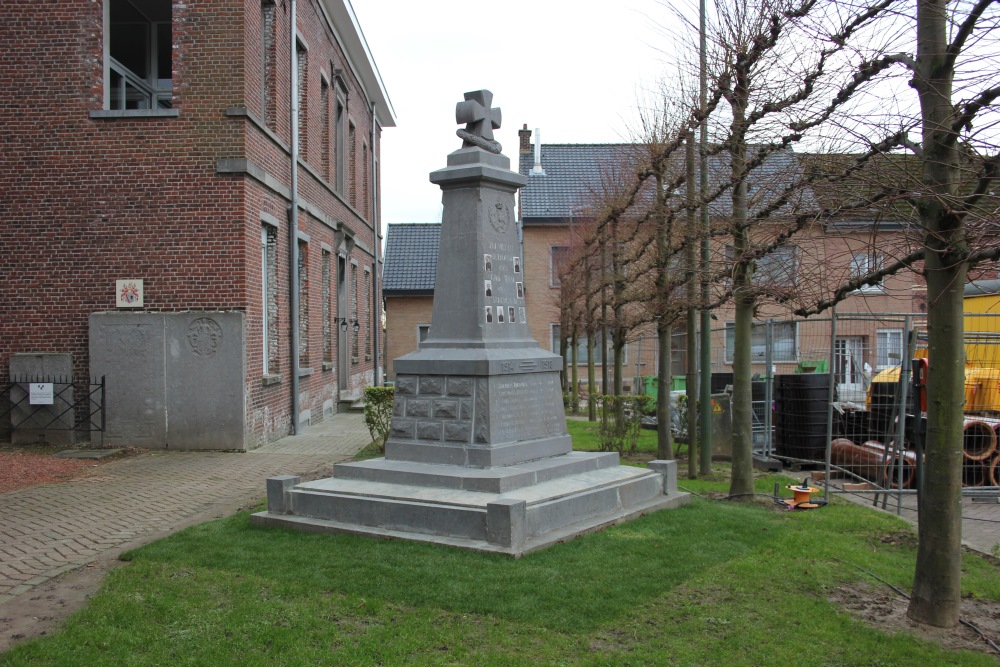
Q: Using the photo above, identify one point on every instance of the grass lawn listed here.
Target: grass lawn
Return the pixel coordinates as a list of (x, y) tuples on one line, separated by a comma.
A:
[(712, 583)]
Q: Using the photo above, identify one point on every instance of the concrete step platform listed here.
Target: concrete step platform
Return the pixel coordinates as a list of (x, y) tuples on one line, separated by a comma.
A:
[(514, 521), (492, 480)]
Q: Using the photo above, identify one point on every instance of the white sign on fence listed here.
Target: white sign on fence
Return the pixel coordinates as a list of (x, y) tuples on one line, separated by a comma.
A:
[(40, 393)]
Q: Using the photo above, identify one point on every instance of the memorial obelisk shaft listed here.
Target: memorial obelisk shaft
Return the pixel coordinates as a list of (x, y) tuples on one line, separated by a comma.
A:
[(479, 391)]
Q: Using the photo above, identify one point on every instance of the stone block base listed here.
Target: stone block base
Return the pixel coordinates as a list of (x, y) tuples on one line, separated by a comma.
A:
[(541, 503)]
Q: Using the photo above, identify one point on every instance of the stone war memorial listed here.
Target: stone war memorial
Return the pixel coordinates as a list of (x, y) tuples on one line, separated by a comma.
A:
[(478, 455)]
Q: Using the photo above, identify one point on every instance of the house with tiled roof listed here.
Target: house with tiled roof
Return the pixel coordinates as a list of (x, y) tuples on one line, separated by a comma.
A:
[(565, 181), (411, 254)]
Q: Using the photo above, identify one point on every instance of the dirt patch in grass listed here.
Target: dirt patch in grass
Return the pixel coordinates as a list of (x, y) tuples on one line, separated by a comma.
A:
[(885, 610)]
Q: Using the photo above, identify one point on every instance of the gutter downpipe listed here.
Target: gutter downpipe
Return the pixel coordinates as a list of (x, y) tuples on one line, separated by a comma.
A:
[(376, 323), (293, 226)]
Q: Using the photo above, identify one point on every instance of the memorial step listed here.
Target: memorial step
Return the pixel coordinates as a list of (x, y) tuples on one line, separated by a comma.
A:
[(550, 506), (493, 480)]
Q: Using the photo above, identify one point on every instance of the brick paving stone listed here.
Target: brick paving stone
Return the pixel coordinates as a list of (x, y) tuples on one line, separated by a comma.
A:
[(48, 529)]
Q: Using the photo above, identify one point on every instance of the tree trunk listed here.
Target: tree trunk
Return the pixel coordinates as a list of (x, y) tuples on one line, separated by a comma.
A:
[(664, 439), (574, 391), (591, 384), (741, 481), (937, 579), (691, 356), (664, 419)]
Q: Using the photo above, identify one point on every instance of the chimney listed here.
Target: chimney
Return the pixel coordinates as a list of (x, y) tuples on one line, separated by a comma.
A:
[(537, 169), (525, 137)]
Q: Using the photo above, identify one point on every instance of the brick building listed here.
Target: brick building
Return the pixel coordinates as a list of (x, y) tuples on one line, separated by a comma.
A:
[(146, 188), (411, 253)]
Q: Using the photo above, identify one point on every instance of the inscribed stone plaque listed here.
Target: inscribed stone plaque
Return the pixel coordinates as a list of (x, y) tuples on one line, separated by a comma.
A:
[(525, 406)]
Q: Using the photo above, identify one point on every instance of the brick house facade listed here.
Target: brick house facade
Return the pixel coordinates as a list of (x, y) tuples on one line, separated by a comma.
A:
[(151, 140)]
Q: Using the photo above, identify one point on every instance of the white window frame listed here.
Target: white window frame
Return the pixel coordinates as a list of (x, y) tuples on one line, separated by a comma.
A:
[(265, 311), (882, 342), (863, 263), (760, 358), (761, 264), (581, 352)]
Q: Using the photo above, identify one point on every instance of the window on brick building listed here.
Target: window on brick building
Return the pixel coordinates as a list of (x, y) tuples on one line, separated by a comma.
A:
[(139, 67), (778, 268), (269, 296), (327, 269), (557, 256), (864, 264), (303, 304), (354, 313), (422, 332), (581, 347), (352, 166), (364, 180), (368, 315), (324, 118), (302, 62), (268, 93), (340, 140)]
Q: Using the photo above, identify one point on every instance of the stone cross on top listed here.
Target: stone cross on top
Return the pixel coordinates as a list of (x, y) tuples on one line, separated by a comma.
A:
[(480, 121)]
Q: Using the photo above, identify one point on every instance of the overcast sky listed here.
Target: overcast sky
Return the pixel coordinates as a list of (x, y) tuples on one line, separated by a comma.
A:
[(573, 68)]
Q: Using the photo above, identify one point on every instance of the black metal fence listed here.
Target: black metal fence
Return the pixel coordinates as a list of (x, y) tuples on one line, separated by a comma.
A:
[(35, 404)]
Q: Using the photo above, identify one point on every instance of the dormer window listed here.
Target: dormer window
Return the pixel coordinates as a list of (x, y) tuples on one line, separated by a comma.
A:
[(139, 54)]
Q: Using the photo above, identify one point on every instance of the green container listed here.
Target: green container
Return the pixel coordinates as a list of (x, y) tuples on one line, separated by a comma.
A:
[(812, 366), (650, 385)]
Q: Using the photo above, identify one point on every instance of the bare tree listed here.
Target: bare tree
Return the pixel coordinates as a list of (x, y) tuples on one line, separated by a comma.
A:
[(952, 67)]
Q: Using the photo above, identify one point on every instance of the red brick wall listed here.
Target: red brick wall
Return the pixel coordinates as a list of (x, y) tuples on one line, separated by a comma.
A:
[(403, 314), (86, 201)]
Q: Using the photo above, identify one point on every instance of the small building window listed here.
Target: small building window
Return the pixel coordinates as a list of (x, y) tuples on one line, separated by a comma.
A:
[(864, 264), (303, 304), (302, 63), (889, 343), (558, 254), (339, 143), (778, 268), (139, 67), (352, 167), (269, 295), (268, 93), (784, 342), (354, 313), (324, 118), (422, 331), (581, 347), (368, 314), (327, 269)]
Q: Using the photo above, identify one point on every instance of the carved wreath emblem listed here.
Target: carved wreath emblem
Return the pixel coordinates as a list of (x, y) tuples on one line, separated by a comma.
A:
[(204, 335), (500, 216)]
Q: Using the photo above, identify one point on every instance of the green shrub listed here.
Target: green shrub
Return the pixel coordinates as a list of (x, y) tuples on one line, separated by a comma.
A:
[(621, 421), (378, 414)]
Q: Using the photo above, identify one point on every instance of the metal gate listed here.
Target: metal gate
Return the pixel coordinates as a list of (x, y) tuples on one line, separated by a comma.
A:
[(73, 405)]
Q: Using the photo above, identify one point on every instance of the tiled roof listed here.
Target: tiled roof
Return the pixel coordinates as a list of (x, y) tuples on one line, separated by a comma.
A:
[(576, 175), (573, 175), (411, 252)]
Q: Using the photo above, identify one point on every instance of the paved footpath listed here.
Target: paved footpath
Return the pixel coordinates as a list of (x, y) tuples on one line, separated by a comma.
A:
[(50, 529)]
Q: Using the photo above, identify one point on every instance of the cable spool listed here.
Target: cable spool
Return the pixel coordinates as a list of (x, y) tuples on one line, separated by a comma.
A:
[(979, 440)]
